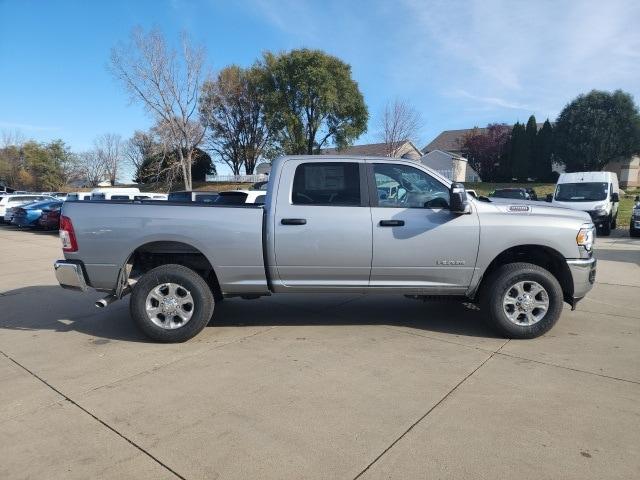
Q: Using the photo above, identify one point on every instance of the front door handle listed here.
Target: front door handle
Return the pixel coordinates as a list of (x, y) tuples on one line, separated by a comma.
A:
[(392, 223), (293, 221)]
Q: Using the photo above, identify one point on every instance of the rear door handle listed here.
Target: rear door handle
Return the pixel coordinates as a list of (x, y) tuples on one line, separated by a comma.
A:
[(392, 223), (293, 221)]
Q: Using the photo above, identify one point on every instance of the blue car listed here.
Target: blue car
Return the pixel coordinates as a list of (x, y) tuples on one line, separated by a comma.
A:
[(28, 215)]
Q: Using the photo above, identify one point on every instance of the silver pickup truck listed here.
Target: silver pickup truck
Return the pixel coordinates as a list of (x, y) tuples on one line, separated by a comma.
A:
[(332, 224)]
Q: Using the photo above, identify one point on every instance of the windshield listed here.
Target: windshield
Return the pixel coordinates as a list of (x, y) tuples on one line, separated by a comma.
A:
[(581, 192)]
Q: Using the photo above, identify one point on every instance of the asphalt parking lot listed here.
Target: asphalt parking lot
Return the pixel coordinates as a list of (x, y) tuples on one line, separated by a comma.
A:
[(334, 386)]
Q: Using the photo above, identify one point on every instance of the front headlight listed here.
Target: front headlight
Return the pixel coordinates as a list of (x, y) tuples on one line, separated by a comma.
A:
[(585, 238), (600, 208)]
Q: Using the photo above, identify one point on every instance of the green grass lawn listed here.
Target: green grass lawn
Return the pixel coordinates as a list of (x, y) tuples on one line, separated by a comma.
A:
[(542, 189)]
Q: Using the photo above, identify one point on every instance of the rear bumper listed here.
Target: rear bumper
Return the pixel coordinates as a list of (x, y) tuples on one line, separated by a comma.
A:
[(583, 273), (70, 275)]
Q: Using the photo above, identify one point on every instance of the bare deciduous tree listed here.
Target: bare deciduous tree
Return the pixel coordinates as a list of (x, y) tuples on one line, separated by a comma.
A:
[(138, 148), (10, 138), (92, 167), (109, 149), (232, 108), (399, 122), (168, 84)]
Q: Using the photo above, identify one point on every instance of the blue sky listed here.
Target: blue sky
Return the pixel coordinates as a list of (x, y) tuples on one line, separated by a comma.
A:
[(459, 63)]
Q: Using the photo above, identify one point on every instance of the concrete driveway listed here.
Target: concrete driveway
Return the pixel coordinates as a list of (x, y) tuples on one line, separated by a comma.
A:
[(332, 386)]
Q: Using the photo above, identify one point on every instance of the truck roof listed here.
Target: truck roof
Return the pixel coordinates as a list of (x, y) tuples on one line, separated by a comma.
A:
[(583, 177), (347, 158)]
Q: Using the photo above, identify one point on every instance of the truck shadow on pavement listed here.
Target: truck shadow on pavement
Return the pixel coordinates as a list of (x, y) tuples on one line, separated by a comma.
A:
[(28, 230), (626, 256), (50, 308)]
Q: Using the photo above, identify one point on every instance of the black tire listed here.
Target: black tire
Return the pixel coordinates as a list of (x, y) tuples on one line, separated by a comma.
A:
[(203, 302), (501, 281), (633, 232), (614, 223), (605, 231)]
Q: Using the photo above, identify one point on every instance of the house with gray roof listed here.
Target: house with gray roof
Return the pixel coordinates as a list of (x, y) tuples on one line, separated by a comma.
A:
[(405, 149), (451, 141)]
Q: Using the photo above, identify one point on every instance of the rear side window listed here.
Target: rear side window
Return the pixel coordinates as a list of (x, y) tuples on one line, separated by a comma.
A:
[(98, 196), (119, 197), (22, 199), (333, 184), (260, 199), (72, 196)]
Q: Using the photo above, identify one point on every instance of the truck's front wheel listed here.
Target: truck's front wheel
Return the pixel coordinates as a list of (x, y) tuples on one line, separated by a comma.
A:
[(171, 303), (522, 300)]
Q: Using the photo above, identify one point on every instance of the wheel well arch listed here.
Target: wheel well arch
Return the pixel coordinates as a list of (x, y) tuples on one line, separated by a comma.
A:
[(540, 255), (156, 253)]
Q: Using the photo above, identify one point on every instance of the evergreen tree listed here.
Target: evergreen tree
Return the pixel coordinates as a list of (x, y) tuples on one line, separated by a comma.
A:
[(519, 152), (531, 132), (544, 153)]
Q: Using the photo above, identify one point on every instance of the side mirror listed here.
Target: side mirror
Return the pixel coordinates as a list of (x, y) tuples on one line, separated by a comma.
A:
[(549, 197), (615, 197), (458, 201)]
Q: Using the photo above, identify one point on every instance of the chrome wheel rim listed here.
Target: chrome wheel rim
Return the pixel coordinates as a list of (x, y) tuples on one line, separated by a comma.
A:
[(169, 306), (525, 303)]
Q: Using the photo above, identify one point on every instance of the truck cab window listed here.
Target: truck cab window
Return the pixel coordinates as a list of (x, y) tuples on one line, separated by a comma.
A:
[(327, 183), (402, 186)]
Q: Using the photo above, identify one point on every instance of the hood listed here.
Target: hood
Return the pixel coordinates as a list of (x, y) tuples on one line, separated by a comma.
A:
[(532, 207)]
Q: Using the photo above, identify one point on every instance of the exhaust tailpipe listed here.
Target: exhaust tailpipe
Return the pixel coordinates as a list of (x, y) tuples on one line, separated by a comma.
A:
[(108, 300)]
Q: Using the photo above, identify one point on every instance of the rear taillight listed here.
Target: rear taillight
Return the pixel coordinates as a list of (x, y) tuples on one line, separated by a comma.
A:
[(67, 235)]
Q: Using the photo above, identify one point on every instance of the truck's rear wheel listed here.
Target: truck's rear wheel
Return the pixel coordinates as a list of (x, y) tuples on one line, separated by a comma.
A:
[(171, 303), (522, 300), (605, 230)]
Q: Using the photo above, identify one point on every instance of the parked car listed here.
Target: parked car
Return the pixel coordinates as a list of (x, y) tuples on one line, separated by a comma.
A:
[(596, 193), (202, 196), (7, 202), (235, 197), (151, 196), (516, 193), (114, 193), (78, 196), (29, 214), (634, 226), (323, 229), (50, 218)]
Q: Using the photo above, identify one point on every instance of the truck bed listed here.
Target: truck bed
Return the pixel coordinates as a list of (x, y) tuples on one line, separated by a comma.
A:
[(229, 236)]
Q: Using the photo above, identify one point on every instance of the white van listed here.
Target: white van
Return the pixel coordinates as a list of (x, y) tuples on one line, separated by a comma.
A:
[(114, 193), (596, 193)]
